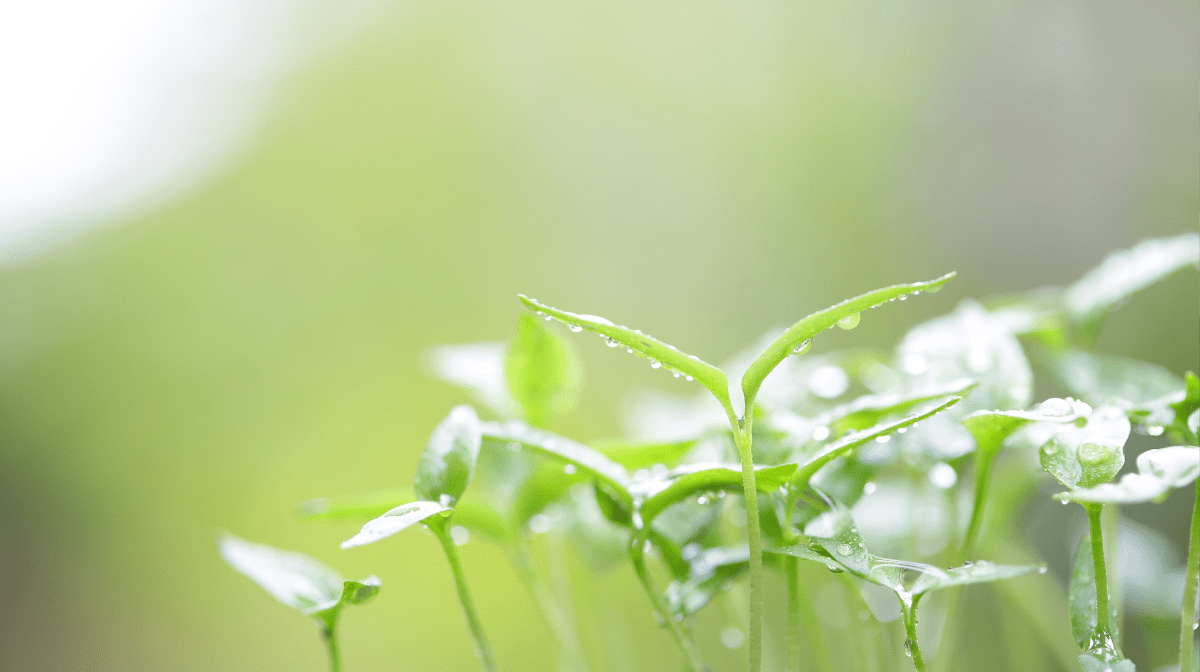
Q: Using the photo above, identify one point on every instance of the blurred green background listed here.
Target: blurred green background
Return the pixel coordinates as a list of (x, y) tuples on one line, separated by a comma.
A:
[(703, 171)]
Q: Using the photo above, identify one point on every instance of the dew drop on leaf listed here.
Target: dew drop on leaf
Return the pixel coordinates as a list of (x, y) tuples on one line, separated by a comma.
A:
[(883, 439), (850, 321), (908, 647), (575, 328), (569, 469), (803, 347), (1054, 407), (820, 433), (732, 638), (655, 364), (611, 342)]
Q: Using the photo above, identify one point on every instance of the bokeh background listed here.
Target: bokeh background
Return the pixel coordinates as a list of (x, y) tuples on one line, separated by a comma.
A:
[(228, 234)]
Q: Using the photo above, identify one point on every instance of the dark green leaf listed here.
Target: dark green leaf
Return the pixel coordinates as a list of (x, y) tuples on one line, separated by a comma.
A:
[(1159, 471), (704, 477), (543, 372), (801, 333), (395, 520), (660, 354), (449, 458)]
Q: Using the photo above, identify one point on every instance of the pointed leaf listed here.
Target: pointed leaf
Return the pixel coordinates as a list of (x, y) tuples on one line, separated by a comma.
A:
[(1126, 272), (449, 458), (641, 454), (804, 330), (667, 356), (869, 409), (978, 572), (543, 372), (1159, 471), (363, 505), (706, 477), (477, 368), (295, 579), (395, 520), (849, 442)]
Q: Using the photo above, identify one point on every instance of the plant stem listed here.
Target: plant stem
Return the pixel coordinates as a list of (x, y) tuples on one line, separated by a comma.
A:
[(483, 650), (983, 471), (754, 534), (1188, 615), (690, 655), (791, 568), (335, 658), (556, 617), (1097, 536), (910, 629)]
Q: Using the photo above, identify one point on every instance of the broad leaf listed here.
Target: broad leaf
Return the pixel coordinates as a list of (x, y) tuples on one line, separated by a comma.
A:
[(520, 436), (1083, 455), (796, 339), (1124, 273), (992, 428), (449, 459), (394, 521), (1100, 378), (849, 442), (1085, 620), (297, 580), (968, 343), (686, 481), (1159, 471), (477, 368), (660, 354), (543, 372)]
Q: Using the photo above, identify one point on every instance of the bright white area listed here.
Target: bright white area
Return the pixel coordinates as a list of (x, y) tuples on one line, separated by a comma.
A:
[(109, 108)]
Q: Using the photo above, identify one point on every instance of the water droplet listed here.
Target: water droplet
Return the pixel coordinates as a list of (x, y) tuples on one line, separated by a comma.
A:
[(678, 618), (688, 378), (943, 476), (850, 321), (732, 638), (548, 318), (611, 342), (933, 289), (690, 551), (803, 347), (1064, 502), (835, 569), (629, 350), (902, 430), (459, 535), (540, 313), (869, 487), (720, 494), (844, 549), (1041, 570), (903, 297), (916, 292), (967, 563), (1195, 626), (569, 469), (676, 374), (655, 364), (883, 439), (820, 433), (647, 546), (702, 500), (575, 328), (891, 299), (1154, 430), (908, 647)]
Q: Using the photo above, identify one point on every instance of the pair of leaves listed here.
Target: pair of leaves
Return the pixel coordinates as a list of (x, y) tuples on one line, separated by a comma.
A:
[(297, 580), (1159, 471)]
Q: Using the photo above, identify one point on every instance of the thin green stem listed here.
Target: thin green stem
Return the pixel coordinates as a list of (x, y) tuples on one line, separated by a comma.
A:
[(1188, 616), (754, 534), (690, 655), (483, 650), (1097, 536), (911, 647), (329, 633), (983, 471), (791, 568)]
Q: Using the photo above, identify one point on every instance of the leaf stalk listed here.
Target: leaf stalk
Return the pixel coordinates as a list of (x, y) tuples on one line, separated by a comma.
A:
[(1188, 613), (440, 527)]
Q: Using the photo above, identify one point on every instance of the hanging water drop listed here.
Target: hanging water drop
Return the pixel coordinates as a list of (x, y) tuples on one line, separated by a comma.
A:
[(629, 350), (803, 347), (655, 364), (1154, 430), (688, 378), (916, 292), (908, 647), (903, 297), (611, 342), (569, 469), (883, 439), (676, 374), (575, 328), (702, 500), (549, 317), (850, 321)]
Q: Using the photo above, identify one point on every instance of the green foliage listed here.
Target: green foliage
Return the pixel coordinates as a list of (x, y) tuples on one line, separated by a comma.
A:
[(792, 473)]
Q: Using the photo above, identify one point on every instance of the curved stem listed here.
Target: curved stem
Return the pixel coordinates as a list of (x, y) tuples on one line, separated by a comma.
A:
[(483, 650), (911, 647), (754, 535), (690, 655), (1097, 537), (335, 657), (1188, 614)]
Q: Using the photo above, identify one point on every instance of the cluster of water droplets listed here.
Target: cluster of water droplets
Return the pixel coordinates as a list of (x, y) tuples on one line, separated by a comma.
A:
[(614, 343)]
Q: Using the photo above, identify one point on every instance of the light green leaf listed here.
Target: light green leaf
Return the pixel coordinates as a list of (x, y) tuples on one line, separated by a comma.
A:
[(869, 409), (801, 333), (711, 570), (395, 520), (297, 580), (1159, 471), (477, 368), (1094, 663), (543, 372), (641, 454), (1101, 378), (1126, 272), (968, 343), (449, 459), (1085, 622), (991, 428), (660, 354), (574, 453), (1084, 454), (686, 481), (849, 442), (933, 578), (835, 532), (473, 515)]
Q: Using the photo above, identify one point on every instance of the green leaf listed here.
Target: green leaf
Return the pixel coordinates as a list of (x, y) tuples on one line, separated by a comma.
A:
[(395, 520), (1085, 621), (660, 354), (1094, 663), (801, 333), (992, 428), (477, 368), (543, 372), (968, 343), (449, 459), (362, 505), (835, 532), (1100, 378), (297, 580), (1084, 454), (642, 454), (1159, 471), (571, 452), (684, 482), (1124, 273), (710, 572), (933, 578), (869, 409), (849, 442)]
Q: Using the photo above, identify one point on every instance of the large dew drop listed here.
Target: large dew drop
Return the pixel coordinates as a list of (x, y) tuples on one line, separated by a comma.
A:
[(850, 321), (803, 347)]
